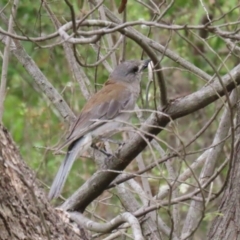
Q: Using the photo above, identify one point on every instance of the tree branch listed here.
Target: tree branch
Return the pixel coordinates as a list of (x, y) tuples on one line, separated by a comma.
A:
[(95, 185)]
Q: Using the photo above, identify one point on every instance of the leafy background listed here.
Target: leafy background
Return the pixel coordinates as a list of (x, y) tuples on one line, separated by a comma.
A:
[(37, 127)]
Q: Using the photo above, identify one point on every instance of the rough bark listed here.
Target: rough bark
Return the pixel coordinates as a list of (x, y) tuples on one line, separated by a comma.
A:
[(226, 225), (24, 210)]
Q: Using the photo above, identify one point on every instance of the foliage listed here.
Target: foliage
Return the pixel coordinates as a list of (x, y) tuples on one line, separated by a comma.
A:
[(37, 127)]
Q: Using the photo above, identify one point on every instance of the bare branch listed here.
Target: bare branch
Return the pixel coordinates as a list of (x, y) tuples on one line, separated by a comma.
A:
[(6, 59), (47, 88), (107, 227), (180, 107), (196, 207), (77, 72)]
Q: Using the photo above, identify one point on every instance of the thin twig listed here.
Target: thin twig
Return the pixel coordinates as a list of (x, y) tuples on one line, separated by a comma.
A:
[(6, 59)]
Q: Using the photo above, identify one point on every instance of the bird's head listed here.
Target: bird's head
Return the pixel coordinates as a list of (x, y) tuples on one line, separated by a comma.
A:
[(129, 71)]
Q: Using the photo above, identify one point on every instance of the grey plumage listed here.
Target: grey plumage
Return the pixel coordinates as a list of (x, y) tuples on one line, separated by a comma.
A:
[(119, 93)]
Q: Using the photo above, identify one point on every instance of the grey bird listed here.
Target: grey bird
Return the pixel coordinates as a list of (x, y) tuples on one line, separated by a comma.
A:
[(103, 113)]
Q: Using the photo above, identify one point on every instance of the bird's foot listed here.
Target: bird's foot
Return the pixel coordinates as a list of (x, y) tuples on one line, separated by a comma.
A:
[(94, 146), (120, 146), (119, 143)]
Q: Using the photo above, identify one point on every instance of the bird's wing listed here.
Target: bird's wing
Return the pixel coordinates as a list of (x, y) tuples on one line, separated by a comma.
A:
[(106, 104)]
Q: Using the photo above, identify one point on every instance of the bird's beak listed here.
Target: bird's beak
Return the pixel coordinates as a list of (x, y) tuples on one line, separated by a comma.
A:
[(145, 63)]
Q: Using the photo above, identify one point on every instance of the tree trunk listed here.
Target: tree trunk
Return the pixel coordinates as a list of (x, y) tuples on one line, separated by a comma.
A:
[(226, 225), (24, 210)]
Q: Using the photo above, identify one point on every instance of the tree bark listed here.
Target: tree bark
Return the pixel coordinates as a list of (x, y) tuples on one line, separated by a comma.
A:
[(226, 225), (25, 212)]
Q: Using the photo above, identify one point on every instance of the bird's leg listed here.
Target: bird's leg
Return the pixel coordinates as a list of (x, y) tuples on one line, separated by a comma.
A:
[(104, 139), (119, 143), (94, 146)]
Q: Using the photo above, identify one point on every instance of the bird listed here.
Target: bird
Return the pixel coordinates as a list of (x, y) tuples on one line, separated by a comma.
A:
[(104, 112)]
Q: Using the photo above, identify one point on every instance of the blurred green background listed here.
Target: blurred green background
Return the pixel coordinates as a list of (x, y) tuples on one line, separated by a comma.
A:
[(37, 127)]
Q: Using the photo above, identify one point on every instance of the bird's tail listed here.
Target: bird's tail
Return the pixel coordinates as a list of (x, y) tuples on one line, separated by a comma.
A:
[(77, 147)]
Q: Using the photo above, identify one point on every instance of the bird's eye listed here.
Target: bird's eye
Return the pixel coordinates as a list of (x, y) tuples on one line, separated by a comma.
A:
[(135, 69)]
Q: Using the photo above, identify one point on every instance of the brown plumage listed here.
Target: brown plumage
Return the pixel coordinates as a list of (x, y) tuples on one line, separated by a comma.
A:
[(119, 94)]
